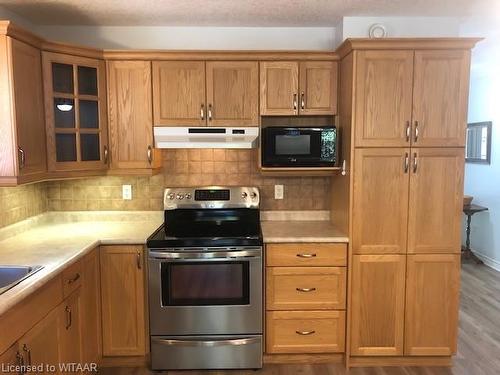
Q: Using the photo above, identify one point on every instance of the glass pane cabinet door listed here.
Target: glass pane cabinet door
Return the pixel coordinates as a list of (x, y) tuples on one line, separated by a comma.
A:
[(76, 105)]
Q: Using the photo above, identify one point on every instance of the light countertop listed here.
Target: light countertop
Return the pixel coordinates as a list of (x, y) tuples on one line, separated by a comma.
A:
[(301, 231)]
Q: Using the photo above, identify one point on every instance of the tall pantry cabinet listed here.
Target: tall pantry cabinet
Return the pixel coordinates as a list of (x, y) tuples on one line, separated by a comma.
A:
[(408, 117)]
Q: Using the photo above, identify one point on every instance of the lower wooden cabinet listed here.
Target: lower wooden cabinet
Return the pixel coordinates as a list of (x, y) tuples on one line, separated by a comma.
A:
[(377, 308), (123, 301), (91, 308), (12, 357), (305, 331), (432, 299)]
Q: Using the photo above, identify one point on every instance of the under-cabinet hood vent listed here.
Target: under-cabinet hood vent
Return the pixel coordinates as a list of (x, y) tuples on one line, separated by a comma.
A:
[(205, 137)]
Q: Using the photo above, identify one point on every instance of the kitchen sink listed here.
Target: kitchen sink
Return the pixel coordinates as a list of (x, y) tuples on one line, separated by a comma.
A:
[(13, 275)]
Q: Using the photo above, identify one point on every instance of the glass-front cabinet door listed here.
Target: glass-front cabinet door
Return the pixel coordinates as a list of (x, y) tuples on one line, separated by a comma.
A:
[(75, 104)]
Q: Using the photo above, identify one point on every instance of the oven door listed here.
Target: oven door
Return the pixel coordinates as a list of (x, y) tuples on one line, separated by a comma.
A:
[(205, 292)]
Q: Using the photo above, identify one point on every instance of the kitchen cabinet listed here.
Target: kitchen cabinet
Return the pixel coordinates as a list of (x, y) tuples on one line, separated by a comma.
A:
[(123, 301), (436, 200), (130, 114), (12, 357), (232, 93), (432, 299), (380, 200), (71, 334), (378, 304), (416, 97), (285, 92), (22, 123), (195, 93), (75, 110)]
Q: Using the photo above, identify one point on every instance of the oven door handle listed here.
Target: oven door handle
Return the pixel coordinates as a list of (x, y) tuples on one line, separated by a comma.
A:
[(229, 255), (233, 342)]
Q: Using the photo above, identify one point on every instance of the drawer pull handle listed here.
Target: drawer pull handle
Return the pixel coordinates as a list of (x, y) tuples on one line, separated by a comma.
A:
[(71, 281), (306, 255), (305, 289), (305, 333)]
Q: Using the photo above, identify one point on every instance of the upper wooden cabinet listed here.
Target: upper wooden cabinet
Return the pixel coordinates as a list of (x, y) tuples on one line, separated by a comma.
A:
[(22, 123), (75, 109), (408, 97), (130, 113), (232, 93), (222, 93), (290, 88)]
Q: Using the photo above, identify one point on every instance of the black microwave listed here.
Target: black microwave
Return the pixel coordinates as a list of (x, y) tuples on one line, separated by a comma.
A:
[(299, 147)]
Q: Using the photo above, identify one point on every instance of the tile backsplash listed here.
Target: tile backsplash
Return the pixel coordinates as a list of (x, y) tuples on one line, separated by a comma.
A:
[(19, 203), (193, 167)]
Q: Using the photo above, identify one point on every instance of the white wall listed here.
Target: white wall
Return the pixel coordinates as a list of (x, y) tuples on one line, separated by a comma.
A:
[(483, 181)]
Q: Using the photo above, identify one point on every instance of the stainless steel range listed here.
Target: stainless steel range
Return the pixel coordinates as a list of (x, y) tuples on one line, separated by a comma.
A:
[(205, 280)]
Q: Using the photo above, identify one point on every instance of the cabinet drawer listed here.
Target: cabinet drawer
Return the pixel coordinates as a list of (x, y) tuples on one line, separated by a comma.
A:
[(305, 331), (306, 254), (305, 288), (72, 278)]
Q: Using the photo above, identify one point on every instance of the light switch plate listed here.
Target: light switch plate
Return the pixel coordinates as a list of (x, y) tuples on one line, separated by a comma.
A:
[(127, 192), (278, 191)]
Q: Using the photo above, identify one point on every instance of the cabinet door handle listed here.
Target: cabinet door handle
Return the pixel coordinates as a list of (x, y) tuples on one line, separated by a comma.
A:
[(75, 278), (306, 255), (408, 131), (407, 162), (305, 333), (68, 317), (139, 264), (28, 353), (302, 100), (20, 361), (415, 162), (106, 155), (22, 158), (210, 112), (416, 132), (202, 112), (294, 102), (343, 171), (150, 154), (305, 289)]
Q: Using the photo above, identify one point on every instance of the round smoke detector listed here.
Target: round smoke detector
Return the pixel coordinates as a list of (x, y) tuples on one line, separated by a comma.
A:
[(377, 30)]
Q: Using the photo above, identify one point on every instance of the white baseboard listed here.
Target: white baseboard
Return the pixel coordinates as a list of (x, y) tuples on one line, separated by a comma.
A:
[(490, 262)]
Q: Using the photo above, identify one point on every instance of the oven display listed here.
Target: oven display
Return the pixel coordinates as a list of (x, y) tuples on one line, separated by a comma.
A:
[(211, 195)]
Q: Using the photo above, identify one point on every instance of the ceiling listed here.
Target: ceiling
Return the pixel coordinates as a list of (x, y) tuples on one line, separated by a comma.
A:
[(234, 12)]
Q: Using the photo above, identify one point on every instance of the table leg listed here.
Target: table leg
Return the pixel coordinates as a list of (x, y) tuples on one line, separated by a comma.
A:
[(468, 252)]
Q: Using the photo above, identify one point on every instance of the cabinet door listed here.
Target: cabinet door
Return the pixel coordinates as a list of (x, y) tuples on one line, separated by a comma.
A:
[(383, 100), (40, 345), (233, 93), (279, 86), (71, 333), (380, 213), (440, 98), (91, 309), (30, 119), (76, 113), (11, 357), (432, 298), (377, 312), (179, 93), (318, 88), (130, 115), (436, 200), (122, 288)]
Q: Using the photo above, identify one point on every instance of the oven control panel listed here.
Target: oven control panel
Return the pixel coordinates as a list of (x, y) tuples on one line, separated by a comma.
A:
[(211, 197)]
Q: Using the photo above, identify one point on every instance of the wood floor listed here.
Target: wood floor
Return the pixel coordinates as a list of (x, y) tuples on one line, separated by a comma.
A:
[(478, 346)]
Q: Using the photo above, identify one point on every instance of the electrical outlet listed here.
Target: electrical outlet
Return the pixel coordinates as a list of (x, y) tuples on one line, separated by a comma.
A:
[(127, 192), (278, 191)]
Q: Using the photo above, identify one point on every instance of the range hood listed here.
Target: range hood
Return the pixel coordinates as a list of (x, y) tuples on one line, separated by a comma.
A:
[(205, 137)]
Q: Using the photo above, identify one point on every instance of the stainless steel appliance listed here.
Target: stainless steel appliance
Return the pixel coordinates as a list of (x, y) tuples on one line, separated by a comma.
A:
[(205, 280), (299, 147)]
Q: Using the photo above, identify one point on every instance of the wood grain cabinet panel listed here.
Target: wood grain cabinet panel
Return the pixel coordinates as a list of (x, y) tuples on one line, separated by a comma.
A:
[(305, 331), (122, 299), (279, 88), (232, 93), (318, 87), (179, 93), (378, 305), (380, 214), (305, 288), (306, 254), (436, 200), (131, 115), (91, 308), (440, 97), (12, 357), (432, 299), (383, 98), (71, 334)]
